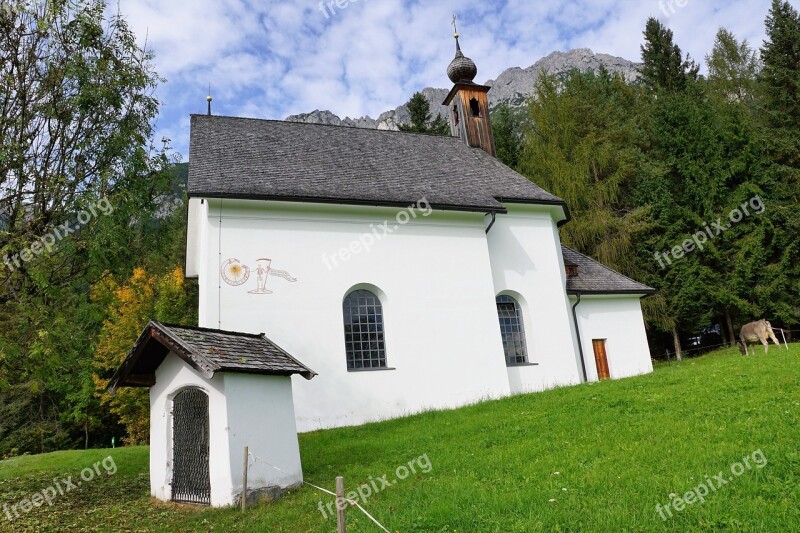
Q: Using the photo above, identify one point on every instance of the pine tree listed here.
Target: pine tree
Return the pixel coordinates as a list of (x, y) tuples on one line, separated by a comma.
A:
[(507, 135), (781, 82), (664, 67), (684, 189), (439, 126), (780, 88), (421, 122)]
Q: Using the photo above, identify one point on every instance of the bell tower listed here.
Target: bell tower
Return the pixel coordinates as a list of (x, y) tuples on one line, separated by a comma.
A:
[(468, 103)]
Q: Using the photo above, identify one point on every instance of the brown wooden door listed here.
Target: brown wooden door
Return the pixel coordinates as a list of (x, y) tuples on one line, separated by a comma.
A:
[(601, 359)]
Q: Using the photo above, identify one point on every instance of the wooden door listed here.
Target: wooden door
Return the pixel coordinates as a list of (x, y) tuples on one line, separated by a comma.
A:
[(601, 359)]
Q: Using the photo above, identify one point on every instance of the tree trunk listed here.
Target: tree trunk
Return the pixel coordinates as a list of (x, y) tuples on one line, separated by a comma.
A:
[(677, 341), (731, 333), (86, 432), (723, 333)]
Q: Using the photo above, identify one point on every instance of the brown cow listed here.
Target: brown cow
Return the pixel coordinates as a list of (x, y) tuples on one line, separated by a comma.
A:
[(758, 331)]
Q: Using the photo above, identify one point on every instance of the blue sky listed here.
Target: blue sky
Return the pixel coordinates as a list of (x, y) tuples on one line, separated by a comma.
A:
[(271, 59)]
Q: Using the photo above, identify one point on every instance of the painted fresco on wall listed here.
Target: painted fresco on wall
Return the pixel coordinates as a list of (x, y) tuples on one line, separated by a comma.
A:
[(236, 274)]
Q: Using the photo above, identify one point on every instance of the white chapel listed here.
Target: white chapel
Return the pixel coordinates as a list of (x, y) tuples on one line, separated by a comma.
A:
[(410, 271)]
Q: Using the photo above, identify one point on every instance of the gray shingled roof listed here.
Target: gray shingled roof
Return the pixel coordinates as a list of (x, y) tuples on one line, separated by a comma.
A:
[(207, 350), (596, 278), (266, 159)]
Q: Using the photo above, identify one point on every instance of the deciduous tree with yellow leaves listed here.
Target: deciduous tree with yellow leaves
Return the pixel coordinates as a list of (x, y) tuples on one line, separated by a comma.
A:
[(130, 305)]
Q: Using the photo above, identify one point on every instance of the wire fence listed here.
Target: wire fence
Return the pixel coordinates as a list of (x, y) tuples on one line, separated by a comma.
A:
[(352, 503), (671, 354)]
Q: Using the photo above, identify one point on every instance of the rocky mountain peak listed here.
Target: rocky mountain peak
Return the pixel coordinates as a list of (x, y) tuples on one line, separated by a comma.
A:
[(513, 86)]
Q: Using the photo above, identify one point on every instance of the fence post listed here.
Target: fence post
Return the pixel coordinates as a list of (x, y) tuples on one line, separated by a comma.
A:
[(341, 519), (244, 478)]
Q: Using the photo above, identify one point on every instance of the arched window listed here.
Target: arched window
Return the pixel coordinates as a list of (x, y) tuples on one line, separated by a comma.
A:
[(363, 331), (512, 330)]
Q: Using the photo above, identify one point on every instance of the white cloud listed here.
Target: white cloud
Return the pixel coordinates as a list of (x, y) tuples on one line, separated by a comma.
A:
[(271, 59)]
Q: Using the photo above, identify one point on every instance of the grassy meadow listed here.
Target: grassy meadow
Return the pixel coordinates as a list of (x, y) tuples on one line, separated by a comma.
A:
[(595, 457)]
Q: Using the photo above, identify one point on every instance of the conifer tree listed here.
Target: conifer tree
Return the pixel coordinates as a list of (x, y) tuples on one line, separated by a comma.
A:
[(421, 118), (733, 67), (781, 83), (664, 67), (507, 135)]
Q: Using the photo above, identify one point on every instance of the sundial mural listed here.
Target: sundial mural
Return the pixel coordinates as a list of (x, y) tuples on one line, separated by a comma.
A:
[(236, 274)]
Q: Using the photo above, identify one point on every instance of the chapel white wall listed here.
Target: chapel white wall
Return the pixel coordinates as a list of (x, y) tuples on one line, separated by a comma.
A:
[(434, 275), (528, 265)]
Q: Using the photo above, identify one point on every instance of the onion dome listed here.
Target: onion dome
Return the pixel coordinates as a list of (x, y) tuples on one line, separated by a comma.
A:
[(462, 68)]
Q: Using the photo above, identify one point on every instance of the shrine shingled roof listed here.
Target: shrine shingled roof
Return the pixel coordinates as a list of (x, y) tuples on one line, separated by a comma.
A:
[(206, 350)]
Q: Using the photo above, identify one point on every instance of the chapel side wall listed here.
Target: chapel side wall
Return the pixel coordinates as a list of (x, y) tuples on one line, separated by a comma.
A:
[(527, 264), (172, 376), (433, 275), (619, 320)]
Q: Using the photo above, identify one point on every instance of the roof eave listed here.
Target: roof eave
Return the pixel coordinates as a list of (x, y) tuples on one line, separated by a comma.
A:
[(464, 85), (343, 201), (154, 330), (556, 202), (307, 374), (120, 375), (197, 361), (642, 293)]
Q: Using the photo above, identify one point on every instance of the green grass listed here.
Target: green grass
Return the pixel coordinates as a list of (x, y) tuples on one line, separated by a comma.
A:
[(597, 457)]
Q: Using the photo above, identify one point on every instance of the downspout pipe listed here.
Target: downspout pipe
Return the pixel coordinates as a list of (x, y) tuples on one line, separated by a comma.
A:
[(578, 333), (494, 217)]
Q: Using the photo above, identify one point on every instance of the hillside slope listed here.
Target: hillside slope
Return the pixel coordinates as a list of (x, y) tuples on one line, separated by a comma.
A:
[(596, 457)]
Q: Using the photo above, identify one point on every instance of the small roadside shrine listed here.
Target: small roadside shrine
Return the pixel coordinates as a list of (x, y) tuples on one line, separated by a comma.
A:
[(213, 393)]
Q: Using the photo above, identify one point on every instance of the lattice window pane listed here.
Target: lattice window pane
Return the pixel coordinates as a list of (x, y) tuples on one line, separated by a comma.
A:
[(191, 480), (363, 331), (512, 330)]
